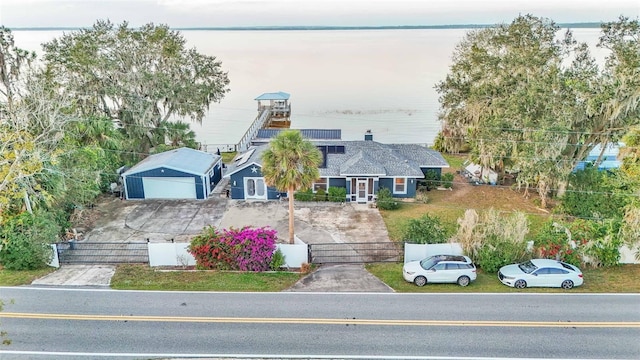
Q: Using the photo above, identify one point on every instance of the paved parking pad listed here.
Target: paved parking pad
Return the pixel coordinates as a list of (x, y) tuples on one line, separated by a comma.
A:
[(340, 278), (79, 275)]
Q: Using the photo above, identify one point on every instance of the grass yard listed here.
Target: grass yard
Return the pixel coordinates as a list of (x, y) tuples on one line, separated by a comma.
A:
[(15, 278), (227, 157), (619, 279), (142, 277), (449, 206)]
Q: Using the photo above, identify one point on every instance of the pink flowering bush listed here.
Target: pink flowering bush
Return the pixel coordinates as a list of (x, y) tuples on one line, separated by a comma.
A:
[(245, 249)]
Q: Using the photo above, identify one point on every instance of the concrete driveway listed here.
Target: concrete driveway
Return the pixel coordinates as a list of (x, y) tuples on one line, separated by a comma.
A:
[(114, 220)]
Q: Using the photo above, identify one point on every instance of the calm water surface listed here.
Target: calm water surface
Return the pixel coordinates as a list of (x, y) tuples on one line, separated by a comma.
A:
[(352, 80)]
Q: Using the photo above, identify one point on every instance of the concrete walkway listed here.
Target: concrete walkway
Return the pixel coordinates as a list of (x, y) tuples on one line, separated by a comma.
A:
[(78, 275)]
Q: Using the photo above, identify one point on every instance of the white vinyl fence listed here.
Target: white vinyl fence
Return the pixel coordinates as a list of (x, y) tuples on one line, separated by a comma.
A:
[(176, 254), (414, 252)]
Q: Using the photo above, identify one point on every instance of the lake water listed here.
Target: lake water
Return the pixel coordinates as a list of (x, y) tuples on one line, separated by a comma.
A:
[(354, 80)]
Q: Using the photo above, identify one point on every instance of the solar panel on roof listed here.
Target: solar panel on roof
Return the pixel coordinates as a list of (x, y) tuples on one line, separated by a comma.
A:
[(245, 157)]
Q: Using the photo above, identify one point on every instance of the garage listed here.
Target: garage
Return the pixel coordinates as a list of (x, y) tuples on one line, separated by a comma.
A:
[(182, 173)]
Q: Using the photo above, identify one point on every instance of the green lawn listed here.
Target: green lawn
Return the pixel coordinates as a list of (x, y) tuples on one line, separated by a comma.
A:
[(618, 279), (15, 278), (227, 157), (142, 277)]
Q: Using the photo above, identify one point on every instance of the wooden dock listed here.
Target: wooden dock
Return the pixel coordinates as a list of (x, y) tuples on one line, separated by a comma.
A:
[(274, 114)]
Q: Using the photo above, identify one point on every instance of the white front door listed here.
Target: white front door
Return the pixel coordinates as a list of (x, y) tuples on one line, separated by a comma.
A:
[(255, 188), (361, 190)]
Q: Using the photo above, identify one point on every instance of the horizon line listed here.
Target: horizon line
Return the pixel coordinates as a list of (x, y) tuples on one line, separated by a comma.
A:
[(314, 27)]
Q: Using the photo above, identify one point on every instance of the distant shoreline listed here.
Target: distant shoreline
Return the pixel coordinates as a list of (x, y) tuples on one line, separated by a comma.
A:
[(324, 28)]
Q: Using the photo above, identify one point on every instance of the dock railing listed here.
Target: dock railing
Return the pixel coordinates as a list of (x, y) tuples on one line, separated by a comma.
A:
[(257, 124)]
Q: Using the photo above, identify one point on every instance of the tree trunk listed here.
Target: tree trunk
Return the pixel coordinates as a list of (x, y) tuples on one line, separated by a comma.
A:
[(291, 232), (604, 145), (27, 202)]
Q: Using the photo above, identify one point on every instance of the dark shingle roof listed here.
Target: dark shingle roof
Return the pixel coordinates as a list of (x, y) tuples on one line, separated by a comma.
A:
[(369, 158), (373, 158)]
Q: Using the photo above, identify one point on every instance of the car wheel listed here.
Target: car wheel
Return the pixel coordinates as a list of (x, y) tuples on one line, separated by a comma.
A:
[(463, 280), (567, 284), (520, 284), (420, 280)]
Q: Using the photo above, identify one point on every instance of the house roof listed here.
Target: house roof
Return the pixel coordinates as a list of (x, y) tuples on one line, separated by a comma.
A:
[(369, 158), (241, 162), (183, 159), (274, 96), (610, 152)]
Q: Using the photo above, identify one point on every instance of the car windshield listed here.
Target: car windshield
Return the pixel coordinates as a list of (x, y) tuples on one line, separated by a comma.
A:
[(428, 262), (527, 267)]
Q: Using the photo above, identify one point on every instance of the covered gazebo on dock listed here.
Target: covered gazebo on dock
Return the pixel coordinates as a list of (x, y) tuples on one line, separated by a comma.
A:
[(278, 103)]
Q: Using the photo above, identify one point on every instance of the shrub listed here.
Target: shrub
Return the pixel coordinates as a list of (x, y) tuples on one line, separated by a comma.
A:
[(593, 193), (25, 240), (320, 195), (337, 194), (554, 242), (422, 197), (277, 260), (386, 201), (446, 180), (243, 249), (432, 179), (305, 268), (497, 253), (581, 242), (425, 230), (304, 195), (492, 239)]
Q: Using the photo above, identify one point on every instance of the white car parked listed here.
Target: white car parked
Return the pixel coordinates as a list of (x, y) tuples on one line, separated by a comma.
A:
[(541, 273), (440, 269)]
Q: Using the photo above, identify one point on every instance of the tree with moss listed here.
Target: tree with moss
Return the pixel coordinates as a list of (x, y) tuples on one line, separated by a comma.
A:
[(520, 97), (290, 164), (138, 77)]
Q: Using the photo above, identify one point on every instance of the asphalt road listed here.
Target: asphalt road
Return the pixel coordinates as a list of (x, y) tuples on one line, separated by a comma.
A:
[(83, 323)]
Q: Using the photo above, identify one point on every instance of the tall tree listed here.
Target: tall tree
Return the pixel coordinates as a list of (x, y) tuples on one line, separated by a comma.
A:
[(139, 77), (291, 163), (13, 62), (524, 98), (32, 122)]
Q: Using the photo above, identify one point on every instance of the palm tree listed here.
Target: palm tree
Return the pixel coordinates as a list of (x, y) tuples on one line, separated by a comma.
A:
[(176, 134), (291, 163)]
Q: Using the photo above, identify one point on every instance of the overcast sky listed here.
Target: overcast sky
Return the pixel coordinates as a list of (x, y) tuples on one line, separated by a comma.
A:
[(223, 13)]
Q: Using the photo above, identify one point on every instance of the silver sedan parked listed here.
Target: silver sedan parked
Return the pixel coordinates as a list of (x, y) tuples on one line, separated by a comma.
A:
[(541, 273)]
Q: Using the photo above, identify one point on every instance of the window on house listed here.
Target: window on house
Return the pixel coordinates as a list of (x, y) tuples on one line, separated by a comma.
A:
[(400, 186), (320, 184)]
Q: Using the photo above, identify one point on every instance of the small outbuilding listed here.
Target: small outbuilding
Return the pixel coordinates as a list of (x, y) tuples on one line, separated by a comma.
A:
[(175, 174)]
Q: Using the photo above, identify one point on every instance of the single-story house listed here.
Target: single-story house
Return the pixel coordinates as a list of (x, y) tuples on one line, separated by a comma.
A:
[(182, 173), (361, 167), (609, 157)]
